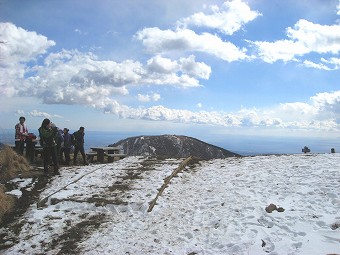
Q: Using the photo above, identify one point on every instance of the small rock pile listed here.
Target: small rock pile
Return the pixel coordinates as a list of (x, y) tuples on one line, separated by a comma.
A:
[(270, 208)]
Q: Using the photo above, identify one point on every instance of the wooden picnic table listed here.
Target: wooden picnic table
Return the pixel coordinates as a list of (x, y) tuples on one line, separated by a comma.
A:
[(102, 150), (31, 149)]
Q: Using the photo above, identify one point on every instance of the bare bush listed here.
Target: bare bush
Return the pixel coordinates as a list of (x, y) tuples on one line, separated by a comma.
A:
[(6, 202), (11, 164)]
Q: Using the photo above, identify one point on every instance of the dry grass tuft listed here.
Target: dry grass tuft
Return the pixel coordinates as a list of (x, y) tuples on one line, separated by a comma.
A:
[(11, 164), (7, 202)]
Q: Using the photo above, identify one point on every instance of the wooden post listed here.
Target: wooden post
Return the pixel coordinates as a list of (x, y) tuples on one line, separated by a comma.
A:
[(167, 181)]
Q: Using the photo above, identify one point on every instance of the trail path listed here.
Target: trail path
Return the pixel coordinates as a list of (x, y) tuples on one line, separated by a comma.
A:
[(211, 207)]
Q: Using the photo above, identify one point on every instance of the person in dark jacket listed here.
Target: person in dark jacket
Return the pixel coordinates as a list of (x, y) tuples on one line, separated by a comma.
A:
[(59, 139), (47, 133), (79, 145), (66, 148)]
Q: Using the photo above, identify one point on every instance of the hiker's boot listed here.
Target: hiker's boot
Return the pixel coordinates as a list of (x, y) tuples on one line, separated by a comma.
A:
[(56, 171)]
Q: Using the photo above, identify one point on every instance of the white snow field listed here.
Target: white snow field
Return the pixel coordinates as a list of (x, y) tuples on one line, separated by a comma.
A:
[(211, 207)]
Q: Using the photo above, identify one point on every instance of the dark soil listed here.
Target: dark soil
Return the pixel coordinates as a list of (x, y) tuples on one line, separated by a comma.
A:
[(12, 220), (67, 243)]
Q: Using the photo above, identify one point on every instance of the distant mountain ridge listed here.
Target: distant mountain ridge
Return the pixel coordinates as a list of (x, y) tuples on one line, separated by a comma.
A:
[(174, 146)]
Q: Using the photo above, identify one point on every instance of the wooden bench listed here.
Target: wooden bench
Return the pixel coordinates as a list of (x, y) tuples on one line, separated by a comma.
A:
[(114, 156), (90, 155)]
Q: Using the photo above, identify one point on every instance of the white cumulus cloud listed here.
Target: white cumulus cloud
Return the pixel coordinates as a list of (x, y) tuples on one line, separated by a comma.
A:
[(36, 113), (159, 41), (18, 46), (228, 18), (305, 37), (149, 97), (189, 66), (321, 113), (320, 66)]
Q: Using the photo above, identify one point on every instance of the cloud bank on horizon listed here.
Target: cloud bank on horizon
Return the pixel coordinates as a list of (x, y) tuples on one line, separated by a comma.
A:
[(178, 57)]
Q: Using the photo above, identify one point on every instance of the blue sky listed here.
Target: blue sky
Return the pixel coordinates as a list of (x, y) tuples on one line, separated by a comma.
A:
[(182, 67)]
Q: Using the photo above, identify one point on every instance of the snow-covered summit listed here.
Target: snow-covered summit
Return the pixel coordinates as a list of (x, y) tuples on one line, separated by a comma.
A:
[(211, 207)]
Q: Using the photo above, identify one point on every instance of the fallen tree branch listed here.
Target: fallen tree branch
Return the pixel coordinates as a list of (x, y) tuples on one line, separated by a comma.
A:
[(42, 202), (167, 180)]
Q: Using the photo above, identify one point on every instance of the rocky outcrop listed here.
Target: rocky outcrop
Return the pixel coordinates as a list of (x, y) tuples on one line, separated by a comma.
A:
[(172, 146)]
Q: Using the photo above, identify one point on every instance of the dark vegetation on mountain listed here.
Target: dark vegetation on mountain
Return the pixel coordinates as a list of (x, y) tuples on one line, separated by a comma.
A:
[(172, 146)]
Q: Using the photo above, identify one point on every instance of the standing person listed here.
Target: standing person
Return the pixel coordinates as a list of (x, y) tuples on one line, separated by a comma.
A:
[(21, 132), (79, 145), (59, 140), (47, 133), (66, 148)]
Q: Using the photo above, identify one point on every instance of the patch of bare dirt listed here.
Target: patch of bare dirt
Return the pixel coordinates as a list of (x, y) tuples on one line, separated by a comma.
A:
[(68, 241), (12, 221)]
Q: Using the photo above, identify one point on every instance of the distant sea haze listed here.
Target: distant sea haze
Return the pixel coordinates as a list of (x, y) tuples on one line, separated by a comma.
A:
[(92, 138), (244, 145)]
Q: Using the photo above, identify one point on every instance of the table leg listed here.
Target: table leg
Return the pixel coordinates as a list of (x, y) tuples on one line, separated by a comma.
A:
[(100, 156)]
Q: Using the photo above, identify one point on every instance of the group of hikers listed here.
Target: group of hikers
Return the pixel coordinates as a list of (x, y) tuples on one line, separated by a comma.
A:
[(55, 142)]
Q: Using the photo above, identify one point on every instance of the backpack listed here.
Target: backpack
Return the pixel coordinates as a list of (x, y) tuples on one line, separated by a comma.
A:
[(73, 140), (59, 137)]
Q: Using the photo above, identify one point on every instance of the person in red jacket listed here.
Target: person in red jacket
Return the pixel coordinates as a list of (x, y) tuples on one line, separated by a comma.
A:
[(21, 132)]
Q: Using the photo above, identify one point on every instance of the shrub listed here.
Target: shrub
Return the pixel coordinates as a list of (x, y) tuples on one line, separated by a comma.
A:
[(11, 164), (6, 202)]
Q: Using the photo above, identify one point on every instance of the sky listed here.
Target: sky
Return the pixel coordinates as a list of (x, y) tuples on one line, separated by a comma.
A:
[(213, 207), (189, 67)]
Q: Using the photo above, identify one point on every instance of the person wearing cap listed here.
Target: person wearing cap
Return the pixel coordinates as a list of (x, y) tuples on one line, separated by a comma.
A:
[(21, 133), (79, 145)]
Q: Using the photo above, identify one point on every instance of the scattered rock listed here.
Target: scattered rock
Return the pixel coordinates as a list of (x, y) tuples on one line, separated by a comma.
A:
[(54, 201), (270, 208), (335, 226), (280, 209)]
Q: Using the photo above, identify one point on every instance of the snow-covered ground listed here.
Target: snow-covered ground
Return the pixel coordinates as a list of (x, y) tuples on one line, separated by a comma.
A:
[(212, 207)]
